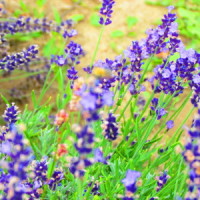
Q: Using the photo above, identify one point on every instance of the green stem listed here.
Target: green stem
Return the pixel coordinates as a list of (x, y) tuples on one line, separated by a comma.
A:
[(180, 127), (21, 76), (97, 47), (174, 115), (124, 109), (80, 190)]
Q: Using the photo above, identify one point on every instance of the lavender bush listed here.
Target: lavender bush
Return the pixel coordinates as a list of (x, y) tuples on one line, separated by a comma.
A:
[(106, 139)]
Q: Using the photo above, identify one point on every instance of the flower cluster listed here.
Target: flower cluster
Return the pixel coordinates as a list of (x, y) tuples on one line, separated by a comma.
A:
[(15, 173), (162, 180), (160, 112), (106, 11), (110, 127), (164, 37), (94, 99), (11, 62), (72, 75), (195, 86), (84, 146), (192, 158), (28, 24), (11, 114), (130, 183), (73, 52)]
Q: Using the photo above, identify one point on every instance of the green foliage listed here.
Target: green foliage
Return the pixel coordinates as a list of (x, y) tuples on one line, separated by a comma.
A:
[(78, 17), (131, 21), (117, 34), (94, 20)]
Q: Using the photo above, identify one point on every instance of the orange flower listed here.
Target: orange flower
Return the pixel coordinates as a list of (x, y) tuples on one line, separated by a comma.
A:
[(61, 117), (62, 150)]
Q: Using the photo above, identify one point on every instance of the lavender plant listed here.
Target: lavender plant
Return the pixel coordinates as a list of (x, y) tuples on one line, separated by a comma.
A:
[(97, 144)]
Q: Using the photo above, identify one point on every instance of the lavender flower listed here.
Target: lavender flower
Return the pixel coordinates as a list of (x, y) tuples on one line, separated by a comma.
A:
[(14, 61), (74, 51), (136, 54), (110, 127), (94, 99), (78, 166), (84, 146), (95, 188), (72, 73), (130, 183), (40, 171), (195, 86), (154, 103), (56, 178), (59, 60), (85, 140), (16, 168), (11, 113), (162, 180), (170, 124), (156, 39), (98, 156), (28, 24), (106, 11), (160, 112), (191, 156)]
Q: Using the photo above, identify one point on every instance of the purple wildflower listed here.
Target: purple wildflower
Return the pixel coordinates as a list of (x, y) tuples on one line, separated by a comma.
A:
[(84, 146), (110, 127), (154, 103), (11, 113), (106, 11), (78, 166), (98, 156), (130, 183), (55, 179), (28, 25), (170, 124), (136, 55), (85, 140), (74, 51), (72, 73), (162, 180), (11, 62), (191, 156), (16, 168), (160, 112), (195, 85), (95, 188), (59, 60), (40, 171)]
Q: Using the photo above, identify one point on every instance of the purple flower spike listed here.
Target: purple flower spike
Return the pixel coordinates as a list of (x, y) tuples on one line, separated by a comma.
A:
[(170, 8), (98, 156), (110, 127), (170, 124), (11, 114), (13, 61), (162, 180), (130, 180), (106, 11), (160, 112), (191, 157)]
